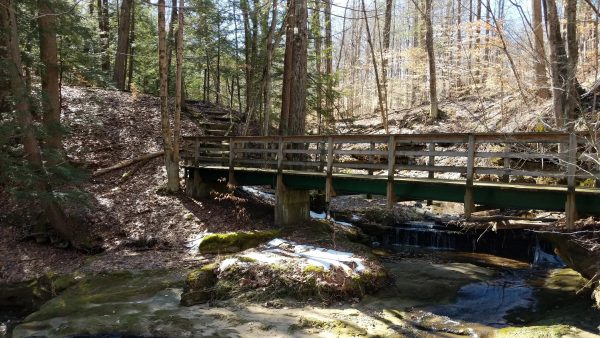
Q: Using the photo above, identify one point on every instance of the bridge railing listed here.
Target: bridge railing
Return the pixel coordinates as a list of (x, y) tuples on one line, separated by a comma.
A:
[(549, 157)]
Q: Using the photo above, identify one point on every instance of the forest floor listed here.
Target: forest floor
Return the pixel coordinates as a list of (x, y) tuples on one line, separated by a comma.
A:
[(127, 217)]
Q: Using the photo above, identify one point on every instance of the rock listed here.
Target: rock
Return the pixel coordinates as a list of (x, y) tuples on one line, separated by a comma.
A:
[(199, 285), (283, 269), (234, 241)]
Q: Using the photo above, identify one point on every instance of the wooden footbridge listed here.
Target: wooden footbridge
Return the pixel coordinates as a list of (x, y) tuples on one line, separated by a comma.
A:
[(518, 170)]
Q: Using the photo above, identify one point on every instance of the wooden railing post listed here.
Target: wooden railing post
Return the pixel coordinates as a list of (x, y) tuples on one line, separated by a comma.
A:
[(431, 163), (469, 205), (329, 192), (570, 207), (196, 151), (231, 182), (390, 194), (506, 165)]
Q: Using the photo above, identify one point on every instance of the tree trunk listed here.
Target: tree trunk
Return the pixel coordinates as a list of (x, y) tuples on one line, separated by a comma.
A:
[(541, 80), (131, 48), (120, 70), (268, 70), (171, 39), (171, 162), (562, 68), (380, 93), (329, 66), (433, 105), (178, 91), (103, 25), (52, 210), (50, 85), (316, 30), (293, 106)]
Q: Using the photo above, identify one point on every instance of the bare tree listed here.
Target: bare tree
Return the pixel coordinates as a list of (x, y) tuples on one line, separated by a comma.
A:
[(541, 80), (50, 86), (380, 92), (170, 143), (120, 69)]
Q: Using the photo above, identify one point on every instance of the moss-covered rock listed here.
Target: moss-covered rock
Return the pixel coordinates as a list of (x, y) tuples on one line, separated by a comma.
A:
[(231, 242), (199, 285)]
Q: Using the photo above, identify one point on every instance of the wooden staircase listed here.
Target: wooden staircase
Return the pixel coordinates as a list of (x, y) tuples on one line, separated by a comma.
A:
[(214, 120)]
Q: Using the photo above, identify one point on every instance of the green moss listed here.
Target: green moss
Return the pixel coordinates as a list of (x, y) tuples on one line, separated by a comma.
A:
[(245, 259), (313, 269), (235, 241), (588, 183), (199, 285), (337, 327), (553, 331)]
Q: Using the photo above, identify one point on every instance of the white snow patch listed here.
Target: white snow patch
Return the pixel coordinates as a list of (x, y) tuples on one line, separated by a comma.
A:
[(193, 242)]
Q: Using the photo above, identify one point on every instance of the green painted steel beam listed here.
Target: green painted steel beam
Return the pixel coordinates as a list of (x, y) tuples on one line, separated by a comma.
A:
[(498, 195)]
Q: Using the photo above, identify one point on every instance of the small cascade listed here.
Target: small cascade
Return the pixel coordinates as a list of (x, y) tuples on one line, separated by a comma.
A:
[(513, 243)]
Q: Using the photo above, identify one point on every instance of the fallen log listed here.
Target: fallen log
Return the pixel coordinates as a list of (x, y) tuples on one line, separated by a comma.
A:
[(127, 163)]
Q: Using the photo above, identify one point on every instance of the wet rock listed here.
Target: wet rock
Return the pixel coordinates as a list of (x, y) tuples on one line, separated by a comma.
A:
[(234, 241)]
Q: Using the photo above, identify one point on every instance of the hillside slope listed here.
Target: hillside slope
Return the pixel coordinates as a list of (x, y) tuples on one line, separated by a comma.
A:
[(125, 212)]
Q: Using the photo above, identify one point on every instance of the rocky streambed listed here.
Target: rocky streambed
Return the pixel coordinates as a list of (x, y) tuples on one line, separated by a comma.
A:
[(424, 294)]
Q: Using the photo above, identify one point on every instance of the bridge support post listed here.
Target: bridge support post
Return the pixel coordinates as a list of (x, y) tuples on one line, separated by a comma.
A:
[(469, 204), (291, 206), (390, 194), (195, 187), (570, 207)]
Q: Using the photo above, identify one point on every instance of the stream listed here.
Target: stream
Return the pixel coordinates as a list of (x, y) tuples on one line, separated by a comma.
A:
[(446, 283)]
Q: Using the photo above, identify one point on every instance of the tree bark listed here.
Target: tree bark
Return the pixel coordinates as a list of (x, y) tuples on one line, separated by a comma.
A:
[(564, 93), (171, 163), (50, 85), (268, 70), (52, 210), (316, 30), (541, 80), (293, 107), (131, 48), (120, 70)]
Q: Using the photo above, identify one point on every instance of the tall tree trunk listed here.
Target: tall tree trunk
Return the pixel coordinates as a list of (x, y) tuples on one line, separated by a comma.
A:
[(316, 30), (171, 38), (389, 6), (433, 105), (120, 70), (171, 162), (178, 89), (103, 25), (293, 106), (131, 48), (541, 80), (562, 78), (268, 70), (329, 65), (380, 93), (50, 85), (10, 39)]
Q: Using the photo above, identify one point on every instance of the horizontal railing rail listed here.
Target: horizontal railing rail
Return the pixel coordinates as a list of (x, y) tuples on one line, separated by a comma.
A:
[(483, 156)]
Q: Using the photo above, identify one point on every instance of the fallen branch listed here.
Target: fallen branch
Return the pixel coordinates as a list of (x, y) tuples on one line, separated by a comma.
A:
[(127, 163)]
